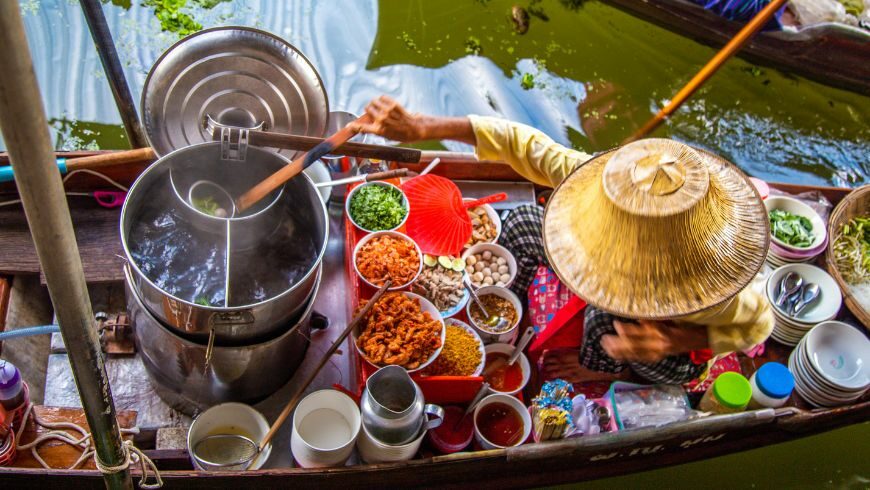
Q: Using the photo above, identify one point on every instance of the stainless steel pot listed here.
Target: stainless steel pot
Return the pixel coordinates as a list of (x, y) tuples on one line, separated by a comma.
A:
[(299, 213), (246, 373)]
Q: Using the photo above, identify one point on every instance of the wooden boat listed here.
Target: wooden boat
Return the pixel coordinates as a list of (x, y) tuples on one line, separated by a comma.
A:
[(829, 53), (571, 460)]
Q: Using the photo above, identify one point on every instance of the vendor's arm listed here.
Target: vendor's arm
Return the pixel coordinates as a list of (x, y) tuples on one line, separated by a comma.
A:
[(743, 323), (533, 154), (651, 341)]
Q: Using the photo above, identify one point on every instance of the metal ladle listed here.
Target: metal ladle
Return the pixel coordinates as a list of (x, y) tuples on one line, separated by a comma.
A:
[(495, 322), (237, 451), (203, 189), (225, 451)]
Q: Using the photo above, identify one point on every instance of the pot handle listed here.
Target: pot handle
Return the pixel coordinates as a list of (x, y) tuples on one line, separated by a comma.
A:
[(318, 321), (437, 414)]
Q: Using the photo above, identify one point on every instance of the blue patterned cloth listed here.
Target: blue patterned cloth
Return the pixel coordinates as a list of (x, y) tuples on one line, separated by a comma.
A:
[(741, 10)]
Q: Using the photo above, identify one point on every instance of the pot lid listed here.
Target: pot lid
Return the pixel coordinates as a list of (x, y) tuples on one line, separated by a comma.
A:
[(233, 76)]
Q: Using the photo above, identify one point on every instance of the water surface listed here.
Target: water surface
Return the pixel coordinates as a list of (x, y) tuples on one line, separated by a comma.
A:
[(588, 75)]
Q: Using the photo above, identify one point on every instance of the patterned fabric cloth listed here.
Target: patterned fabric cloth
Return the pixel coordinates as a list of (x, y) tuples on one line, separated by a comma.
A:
[(547, 297), (742, 10), (523, 235), (677, 369)]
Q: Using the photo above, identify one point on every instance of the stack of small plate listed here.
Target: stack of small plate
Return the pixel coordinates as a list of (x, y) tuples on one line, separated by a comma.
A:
[(830, 365), (781, 253), (789, 329)]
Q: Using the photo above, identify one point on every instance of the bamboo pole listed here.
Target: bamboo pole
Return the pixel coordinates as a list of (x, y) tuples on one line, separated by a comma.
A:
[(25, 129), (712, 66), (93, 10)]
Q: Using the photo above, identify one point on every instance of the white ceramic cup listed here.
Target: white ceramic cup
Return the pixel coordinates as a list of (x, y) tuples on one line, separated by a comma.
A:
[(230, 418), (513, 403), (371, 450), (325, 427), (523, 361)]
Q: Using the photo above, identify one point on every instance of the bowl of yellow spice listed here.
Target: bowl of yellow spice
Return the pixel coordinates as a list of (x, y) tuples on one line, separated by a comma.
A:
[(463, 352)]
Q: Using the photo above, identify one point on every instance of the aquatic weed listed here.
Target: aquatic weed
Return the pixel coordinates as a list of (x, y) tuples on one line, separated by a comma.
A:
[(472, 46)]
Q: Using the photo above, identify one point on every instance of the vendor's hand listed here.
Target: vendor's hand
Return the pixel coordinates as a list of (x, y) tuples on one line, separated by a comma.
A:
[(649, 341), (645, 341), (390, 120)]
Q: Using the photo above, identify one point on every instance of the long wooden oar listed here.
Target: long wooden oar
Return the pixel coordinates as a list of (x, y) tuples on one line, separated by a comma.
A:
[(286, 173), (733, 46)]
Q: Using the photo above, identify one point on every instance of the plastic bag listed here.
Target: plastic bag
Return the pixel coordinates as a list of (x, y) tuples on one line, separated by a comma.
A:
[(636, 406), (809, 12)]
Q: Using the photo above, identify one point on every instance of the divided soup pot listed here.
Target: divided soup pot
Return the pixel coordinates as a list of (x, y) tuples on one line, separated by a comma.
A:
[(239, 278)]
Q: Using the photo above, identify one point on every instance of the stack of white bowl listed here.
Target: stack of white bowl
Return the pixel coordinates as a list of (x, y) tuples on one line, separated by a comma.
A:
[(781, 253), (830, 365), (790, 329)]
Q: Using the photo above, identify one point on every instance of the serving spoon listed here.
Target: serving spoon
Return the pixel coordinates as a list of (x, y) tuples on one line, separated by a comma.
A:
[(495, 322), (518, 349), (808, 294), (789, 285)]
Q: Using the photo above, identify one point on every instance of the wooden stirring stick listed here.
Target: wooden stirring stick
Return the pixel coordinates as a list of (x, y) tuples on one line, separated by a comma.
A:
[(301, 391), (275, 180)]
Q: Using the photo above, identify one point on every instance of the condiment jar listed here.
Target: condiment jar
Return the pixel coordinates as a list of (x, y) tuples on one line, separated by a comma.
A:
[(12, 393), (7, 439), (730, 393), (772, 384)]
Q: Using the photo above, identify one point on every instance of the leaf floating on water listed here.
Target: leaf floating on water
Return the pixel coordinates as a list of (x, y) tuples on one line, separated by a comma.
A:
[(528, 81), (472, 46)]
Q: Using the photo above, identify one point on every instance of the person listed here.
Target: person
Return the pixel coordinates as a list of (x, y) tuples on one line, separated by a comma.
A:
[(660, 351)]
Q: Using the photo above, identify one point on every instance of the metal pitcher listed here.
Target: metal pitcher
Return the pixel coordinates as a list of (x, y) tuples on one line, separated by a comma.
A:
[(393, 409)]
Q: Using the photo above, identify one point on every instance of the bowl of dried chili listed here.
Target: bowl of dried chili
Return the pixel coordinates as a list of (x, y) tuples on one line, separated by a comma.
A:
[(387, 255)]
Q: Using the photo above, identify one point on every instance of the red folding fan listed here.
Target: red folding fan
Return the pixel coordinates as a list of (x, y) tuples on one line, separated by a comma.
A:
[(438, 220)]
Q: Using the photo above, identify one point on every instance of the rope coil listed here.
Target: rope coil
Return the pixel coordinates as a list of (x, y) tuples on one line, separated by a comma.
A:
[(132, 454)]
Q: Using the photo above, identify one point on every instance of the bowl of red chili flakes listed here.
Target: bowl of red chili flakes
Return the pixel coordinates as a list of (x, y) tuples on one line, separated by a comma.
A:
[(387, 255)]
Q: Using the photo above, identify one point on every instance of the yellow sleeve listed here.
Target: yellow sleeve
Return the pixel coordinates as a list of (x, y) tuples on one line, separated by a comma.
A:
[(744, 322), (529, 151)]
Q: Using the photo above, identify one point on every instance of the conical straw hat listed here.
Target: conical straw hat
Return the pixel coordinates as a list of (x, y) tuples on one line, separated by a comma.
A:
[(656, 230)]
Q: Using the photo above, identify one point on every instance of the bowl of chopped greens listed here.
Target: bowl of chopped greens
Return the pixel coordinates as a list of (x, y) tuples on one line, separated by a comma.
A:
[(794, 225), (377, 206)]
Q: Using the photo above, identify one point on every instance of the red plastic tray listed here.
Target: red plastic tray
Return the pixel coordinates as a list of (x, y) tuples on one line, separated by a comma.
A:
[(436, 389)]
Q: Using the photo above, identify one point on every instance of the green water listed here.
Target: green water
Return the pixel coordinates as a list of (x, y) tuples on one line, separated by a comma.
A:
[(589, 75), (836, 459), (586, 73)]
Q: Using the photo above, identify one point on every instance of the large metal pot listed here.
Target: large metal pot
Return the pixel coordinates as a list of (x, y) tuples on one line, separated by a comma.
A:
[(299, 213), (247, 373)]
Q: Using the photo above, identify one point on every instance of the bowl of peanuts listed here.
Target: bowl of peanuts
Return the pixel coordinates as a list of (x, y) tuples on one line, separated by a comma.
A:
[(485, 224), (488, 264)]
